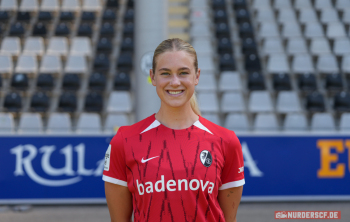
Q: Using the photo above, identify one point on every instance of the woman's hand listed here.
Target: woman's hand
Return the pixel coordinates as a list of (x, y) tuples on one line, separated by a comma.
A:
[(229, 200), (119, 201)]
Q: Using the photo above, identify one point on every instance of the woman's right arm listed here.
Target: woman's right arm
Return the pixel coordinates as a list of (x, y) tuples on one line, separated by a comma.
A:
[(119, 201)]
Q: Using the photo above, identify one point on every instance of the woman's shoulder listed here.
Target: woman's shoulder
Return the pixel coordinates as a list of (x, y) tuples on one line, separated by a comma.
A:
[(136, 128), (222, 132)]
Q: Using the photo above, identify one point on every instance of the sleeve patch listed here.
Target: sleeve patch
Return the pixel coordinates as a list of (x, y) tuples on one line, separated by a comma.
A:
[(107, 158)]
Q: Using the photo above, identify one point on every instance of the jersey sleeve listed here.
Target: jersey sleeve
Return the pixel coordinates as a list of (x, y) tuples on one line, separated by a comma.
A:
[(115, 166), (233, 172)]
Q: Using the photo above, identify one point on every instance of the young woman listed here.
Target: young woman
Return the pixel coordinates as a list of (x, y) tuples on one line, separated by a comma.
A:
[(174, 165)]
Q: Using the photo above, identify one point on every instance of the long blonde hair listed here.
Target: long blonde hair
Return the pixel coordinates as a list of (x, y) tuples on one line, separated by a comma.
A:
[(177, 44)]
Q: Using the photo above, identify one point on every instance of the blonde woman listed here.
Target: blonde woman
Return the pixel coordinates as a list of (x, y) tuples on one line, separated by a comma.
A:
[(174, 165)]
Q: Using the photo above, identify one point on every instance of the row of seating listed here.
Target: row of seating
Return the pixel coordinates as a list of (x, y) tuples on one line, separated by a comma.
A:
[(62, 123), (299, 4), (292, 122)]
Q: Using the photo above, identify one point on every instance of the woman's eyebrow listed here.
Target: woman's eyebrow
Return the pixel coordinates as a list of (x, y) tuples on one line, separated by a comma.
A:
[(166, 69)]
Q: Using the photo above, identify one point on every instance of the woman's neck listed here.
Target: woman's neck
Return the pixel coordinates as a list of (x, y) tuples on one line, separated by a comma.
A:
[(176, 118)]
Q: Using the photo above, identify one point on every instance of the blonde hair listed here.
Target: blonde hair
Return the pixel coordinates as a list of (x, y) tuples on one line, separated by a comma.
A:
[(177, 44)]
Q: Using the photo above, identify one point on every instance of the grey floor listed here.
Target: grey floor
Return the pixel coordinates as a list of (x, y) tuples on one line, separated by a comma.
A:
[(247, 212)]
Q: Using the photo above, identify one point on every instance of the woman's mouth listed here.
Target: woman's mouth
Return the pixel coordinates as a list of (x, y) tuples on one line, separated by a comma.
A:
[(175, 92)]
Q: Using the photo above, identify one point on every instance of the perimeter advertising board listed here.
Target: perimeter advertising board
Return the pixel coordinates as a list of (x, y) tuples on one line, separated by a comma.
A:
[(52, 169)]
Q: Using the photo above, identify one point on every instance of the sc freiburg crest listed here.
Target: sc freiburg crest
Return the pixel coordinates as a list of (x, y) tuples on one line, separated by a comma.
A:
[(206, 158)]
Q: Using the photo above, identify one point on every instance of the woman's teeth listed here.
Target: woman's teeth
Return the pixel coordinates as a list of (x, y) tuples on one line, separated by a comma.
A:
[(175, 92)]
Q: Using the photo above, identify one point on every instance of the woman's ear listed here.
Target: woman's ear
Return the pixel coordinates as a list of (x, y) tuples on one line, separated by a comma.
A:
[(152, 76), (197, 77)]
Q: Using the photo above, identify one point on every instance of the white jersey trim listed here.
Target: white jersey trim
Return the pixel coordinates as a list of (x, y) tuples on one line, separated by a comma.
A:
[(155, 124), (115, 181), (237, 183)]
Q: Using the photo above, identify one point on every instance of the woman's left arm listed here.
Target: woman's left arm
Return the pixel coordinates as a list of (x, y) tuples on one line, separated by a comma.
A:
[(229, 200)]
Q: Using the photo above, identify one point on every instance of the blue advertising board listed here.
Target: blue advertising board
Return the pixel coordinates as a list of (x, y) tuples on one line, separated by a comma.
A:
[(56, 169)]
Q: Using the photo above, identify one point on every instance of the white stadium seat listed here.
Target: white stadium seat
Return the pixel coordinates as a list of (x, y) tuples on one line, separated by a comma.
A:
[(232, 102), (260, 101), (6, 123), (30, 123), (322, 121), (266, 122), (119, 102), (89, 123), (59, 123), (295, 122), (237, 122)]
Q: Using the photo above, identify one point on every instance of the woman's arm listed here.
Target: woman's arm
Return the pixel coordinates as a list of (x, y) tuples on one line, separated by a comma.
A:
[(229, 200), (119, 201)]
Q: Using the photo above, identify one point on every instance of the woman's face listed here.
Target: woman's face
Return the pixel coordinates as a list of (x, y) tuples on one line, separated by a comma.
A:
[(175, 77)]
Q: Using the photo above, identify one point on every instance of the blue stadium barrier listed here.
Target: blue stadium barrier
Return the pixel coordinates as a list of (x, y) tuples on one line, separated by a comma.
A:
[(64, 170)]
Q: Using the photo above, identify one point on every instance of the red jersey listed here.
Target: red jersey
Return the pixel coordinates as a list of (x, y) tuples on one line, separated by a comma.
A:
[(175, 175)]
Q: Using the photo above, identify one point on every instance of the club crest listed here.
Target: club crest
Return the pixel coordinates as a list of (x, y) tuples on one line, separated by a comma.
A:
[(206, 158)]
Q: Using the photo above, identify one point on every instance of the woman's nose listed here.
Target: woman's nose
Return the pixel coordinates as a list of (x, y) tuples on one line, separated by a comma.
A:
[(175, 81)]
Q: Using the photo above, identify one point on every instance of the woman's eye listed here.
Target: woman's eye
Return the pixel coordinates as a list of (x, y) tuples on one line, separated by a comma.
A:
[(184, 73), (165, 73)]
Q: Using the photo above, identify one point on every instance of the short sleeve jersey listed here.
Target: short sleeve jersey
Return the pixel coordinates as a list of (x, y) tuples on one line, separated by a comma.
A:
[(175, 175)]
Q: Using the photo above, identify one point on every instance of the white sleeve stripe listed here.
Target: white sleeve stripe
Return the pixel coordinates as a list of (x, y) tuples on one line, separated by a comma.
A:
[(115, 181), (237, 183)]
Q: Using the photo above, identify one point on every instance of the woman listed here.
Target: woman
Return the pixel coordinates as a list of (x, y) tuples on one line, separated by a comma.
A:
[(174, 165)]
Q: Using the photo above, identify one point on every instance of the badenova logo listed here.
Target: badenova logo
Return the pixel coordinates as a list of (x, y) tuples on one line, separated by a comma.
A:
[(24, 164), (171, 185)]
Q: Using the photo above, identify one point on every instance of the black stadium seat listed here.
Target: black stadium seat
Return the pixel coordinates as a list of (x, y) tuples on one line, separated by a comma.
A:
[(227, 62), (40, 102), (93, 102), (20, 81), (125, 62), (281, 81), (246, 30), (315, 102), (128, 29), (66, 16), (101, 62), (129, 15), (88, 16), (62, 29), (39, 29), (127, 45), (107, 29), (249, 46), (224, 46), (112, 3), (122, 81), (45, 16), (67, 102), (17, 29), (97, 81), (23, 16), (4, 16), (71, 82), (252, 62), (242, 15), (85, 29), (109, 15), (219, 4), (334, 82), (256, 81), (45, 82), (13, 102), (220, 15), (238, 4), (222, 30), (342, 102), (104, 45), (307, 82)]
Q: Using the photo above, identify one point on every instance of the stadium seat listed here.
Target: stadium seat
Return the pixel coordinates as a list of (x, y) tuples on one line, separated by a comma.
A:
[(334, 82), (346, 16), (230, 81), (101, 62), (8, 5), (286, 15), (341, 4), (17, 29), (59, 123), (344, 122), (58, 46), (327, 63), (107, 30), (122, 81), (242, 15), (67, 16), (19, 81), (214, 118), (222, 30), (203, 47), (227, 62), (40, 102), (200, 30), (341, 46), (23, 16), (81, 46), (321, 4), (302, 63), (119, 102), (49, 5), (114, 121), (85, 29), (315, 102), (4, 16), (208, 102), (129, 15), (313, 30), (76, 64), (256, 81), (109, 15), (307, 82), (45, 82), (29, 5), (62, 29), (43, 17), (249, 46), (237, 122), (322, 121), (265, 15), (260, 101), (97, 81), (342, 102), (207, 83), (261, 4), (7, 124), (11, 46), (67, 102), (268, 29), (281, 81), (105, 45), (220, 15), (335, 30), (89, 123), (329, 15), (30, 123), (252, 62), (127, 45), (6, 64), (345, 65), (125, 61), (51, 64), (272, 46), (112, 4), (288, 102), (300, 4), (295, 122), (239, 4), (277, 63), (206, 63), (39, 29), (71, 82), (266, 122), (70, 5), (219, 4), (34, 46), (13, 102), (232, 102), (246, 30), (93, 102), (92, 5), (291, 30)]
